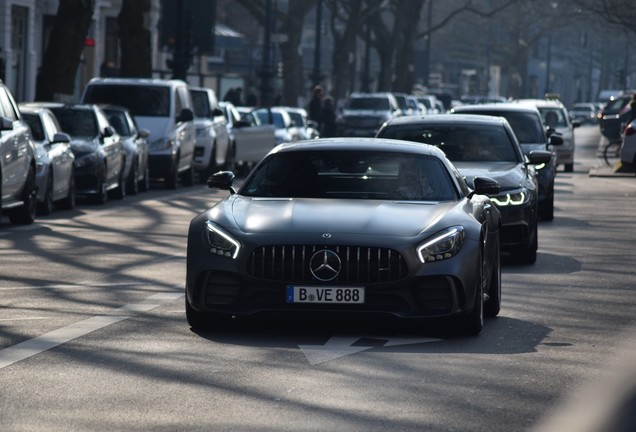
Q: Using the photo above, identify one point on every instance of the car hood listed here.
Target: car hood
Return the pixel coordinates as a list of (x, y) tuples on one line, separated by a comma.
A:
[(509, 175), (84, 146), (369, 217)]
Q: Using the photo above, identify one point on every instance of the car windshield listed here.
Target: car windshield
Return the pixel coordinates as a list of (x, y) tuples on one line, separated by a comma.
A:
[(349, 174), (460, 143), (79, 123), (33, 120), (526, 125), (143, 101), (117, 120), (368, 103), (201, 103)]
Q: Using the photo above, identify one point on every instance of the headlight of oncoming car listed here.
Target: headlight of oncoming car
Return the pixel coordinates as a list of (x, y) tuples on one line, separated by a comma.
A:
[(512, 198), (443, 245), (219, 242)]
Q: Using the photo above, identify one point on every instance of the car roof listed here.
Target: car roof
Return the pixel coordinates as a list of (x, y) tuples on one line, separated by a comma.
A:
[(503, 107), (53, 105), (541, 103), (371, 144), (138, 81), (449, 118)]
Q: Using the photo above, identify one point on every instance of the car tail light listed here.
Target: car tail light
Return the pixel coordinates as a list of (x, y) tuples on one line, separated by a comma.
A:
[(630, 130)]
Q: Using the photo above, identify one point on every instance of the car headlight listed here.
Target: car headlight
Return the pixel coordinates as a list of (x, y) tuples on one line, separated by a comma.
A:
[(165, 143), (512, 198), (219, 242), (443, 245)]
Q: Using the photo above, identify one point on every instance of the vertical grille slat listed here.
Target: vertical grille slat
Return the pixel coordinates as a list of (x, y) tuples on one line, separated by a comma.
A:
[(360, 264)]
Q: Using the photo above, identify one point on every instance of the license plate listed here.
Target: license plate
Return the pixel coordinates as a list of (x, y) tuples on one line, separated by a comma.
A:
[(329, 295)]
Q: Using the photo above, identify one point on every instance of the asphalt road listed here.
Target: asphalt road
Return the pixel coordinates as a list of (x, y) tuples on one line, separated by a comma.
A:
[(93, 334)]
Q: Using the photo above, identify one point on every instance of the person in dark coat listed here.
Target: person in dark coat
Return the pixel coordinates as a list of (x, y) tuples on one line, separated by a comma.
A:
[(328, 116), (314, 109)]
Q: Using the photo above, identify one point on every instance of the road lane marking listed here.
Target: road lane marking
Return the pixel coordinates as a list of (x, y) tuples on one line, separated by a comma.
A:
[(52, 339), (341, 346)]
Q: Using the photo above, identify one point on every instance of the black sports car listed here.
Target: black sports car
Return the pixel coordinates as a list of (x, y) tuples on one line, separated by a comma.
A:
[(486, 146), (350, 225)]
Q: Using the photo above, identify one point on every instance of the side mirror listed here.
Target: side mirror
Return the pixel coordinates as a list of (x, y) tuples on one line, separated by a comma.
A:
[(576, 123), (144, 133), (538, 157), (185, 115), (61, 137), (556, 140), (217, 112), (222, 180), (108, 132), (242, 124), (486, 186)]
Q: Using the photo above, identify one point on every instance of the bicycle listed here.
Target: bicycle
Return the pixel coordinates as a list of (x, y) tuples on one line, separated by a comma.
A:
[(612, 150)]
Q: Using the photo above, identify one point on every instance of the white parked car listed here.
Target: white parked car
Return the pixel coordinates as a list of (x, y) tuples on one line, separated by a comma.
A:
[(54, 160), (213, 151), (628, 148), (286, 130), (300, 118)]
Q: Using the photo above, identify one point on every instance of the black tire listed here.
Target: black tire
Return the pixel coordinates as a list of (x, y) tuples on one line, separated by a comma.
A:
[(493, 304), (568, 168), (528, 255), (172, 178), (187, 177), (102, 195), (120, 191), (132, 183), (611, 151), (25, 214), (68, 203), (472, 324), (45, 208), (547, 210), (144, 183)]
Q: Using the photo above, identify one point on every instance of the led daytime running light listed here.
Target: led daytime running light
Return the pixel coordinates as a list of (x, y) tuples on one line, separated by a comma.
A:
[(517, 198), (218, 249)]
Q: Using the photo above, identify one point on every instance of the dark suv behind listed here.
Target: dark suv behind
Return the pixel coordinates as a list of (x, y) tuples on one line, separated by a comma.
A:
[(18, 187)]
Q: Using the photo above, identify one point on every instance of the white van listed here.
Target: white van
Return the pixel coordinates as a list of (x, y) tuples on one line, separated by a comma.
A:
[(163, 107)]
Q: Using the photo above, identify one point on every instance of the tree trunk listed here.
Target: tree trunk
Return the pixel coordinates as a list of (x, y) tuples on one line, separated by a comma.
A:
[(56, 79), (134, 39), (344, 46), (404, 67)]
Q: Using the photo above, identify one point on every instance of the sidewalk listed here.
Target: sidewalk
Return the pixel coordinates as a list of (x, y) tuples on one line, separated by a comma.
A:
[(601, 169)]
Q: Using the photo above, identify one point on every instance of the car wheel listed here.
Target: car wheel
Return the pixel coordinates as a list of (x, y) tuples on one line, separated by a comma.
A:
[(547, 211), (46, 206), (120, 190), (493, 304), (102, 195), (528, 255), (25, 214), (172, 178), (474, 322), (144, 183), (568, 168), (132, 183), (68, 203), (187, 177)]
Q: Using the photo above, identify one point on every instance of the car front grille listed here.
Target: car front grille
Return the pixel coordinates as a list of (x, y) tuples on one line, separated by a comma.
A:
[(358, 264)]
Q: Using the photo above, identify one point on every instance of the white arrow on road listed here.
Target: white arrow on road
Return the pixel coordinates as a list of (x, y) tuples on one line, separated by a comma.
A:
[(341, 346)]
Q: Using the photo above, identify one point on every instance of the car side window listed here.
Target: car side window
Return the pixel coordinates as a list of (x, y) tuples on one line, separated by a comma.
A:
[(7, 107)]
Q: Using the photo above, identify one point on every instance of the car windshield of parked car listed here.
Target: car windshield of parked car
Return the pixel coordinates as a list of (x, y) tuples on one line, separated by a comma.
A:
[(201, 104), (277, 118), (117, 120), (368, 103), (472, 143), (33, 120), (143, 101), (526, 125), (351, 174), (77, 123)]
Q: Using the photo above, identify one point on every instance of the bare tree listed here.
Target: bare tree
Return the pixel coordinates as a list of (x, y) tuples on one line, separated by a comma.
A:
[(56, 79), (134, 39)]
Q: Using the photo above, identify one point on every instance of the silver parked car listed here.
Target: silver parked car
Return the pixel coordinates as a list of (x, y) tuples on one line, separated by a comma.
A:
[(54, 160), (136, 147)]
